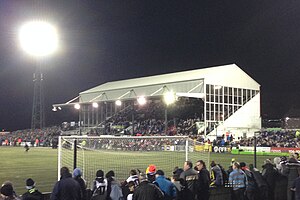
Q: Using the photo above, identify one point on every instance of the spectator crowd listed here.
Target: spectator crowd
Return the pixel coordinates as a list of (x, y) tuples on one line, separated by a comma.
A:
[(278, 180)]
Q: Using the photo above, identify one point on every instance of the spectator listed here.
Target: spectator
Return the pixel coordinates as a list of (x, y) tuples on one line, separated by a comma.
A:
[(270, 174), (165, 185), (190, 176), (100, 187), (203, 181), (131, 186), (114, 191), (296, 188), (133, 177), (292, 172), (66, 188), (150, 171), (7, 192), (147, 190), (181, 190), (261, 183), (32, 193), (238, 180), (77, 176), (216, 175), (251, 189)]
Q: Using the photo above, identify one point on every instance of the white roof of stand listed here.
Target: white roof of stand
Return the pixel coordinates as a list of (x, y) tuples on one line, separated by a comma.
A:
[(191, 81)]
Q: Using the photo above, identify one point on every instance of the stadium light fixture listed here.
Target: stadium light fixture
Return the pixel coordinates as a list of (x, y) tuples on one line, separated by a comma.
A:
[(118, 102), (38, 38), (95, 105), (169, 97), (77, 106), (141, 100), (217, 87)]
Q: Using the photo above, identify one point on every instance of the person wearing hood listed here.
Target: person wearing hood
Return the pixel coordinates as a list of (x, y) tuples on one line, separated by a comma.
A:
[(32, 193), (66, 188), (114, 191), (77, 175)]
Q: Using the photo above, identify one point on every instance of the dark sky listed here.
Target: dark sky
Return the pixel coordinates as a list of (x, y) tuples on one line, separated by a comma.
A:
[(111, 40)]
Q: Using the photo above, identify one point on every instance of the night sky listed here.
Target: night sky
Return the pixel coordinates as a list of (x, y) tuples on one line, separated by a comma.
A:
[(103, 41)]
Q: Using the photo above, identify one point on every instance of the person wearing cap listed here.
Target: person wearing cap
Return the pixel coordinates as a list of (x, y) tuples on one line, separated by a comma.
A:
[(66, 188), (165, 185), (190, 177), (99, 190), (146, 190), (7, 192), (77, 175), (32, 193), (150, 171)]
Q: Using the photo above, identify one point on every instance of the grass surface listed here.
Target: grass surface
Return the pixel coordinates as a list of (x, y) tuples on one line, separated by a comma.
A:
[(40, 164)]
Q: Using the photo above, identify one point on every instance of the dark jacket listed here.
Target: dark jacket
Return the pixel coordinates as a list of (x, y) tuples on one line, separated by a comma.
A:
[(270, 174), (292, 172), (216, 176), (260, 181), (190, 177), (32, 194), (203, 180), (66, 189), (147, 191), (82, 187)]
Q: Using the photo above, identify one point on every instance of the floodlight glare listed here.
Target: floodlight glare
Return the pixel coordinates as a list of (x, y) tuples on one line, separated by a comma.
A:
[(169, 98), (118, 102), (77, 106), (141, 100), (95, 105), (38, 38)]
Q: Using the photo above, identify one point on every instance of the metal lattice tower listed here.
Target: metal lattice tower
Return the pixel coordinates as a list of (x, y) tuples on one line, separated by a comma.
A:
[(38, 115)]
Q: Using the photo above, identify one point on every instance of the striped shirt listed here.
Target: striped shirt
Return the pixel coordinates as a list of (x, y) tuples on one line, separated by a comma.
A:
[(238, 179)]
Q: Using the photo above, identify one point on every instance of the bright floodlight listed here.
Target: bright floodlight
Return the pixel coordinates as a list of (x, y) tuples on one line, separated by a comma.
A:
[(38, 38), (77, 106), (118, 102), (95, 105), (141, 100), (169, 98)]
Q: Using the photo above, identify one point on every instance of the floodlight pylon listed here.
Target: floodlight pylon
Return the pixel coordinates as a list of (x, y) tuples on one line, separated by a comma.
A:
[(38, 115)]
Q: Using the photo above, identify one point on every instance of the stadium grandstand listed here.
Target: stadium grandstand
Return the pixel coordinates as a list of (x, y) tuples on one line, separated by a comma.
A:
[(224, 100)]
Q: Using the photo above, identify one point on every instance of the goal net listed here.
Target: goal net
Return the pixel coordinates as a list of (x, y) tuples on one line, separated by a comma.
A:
[(121, 154)]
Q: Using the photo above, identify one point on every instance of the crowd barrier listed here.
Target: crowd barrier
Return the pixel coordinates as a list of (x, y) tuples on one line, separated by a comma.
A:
[(224, 193), (220, 193)]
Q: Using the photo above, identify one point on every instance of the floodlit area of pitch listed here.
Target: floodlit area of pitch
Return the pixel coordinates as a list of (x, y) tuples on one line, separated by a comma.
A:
[(38, 38)]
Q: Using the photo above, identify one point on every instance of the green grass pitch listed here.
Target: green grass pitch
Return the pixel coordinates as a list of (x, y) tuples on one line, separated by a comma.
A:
[(41, 163)]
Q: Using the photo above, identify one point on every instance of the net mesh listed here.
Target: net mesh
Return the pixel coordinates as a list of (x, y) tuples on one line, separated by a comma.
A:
[(121, 154)]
